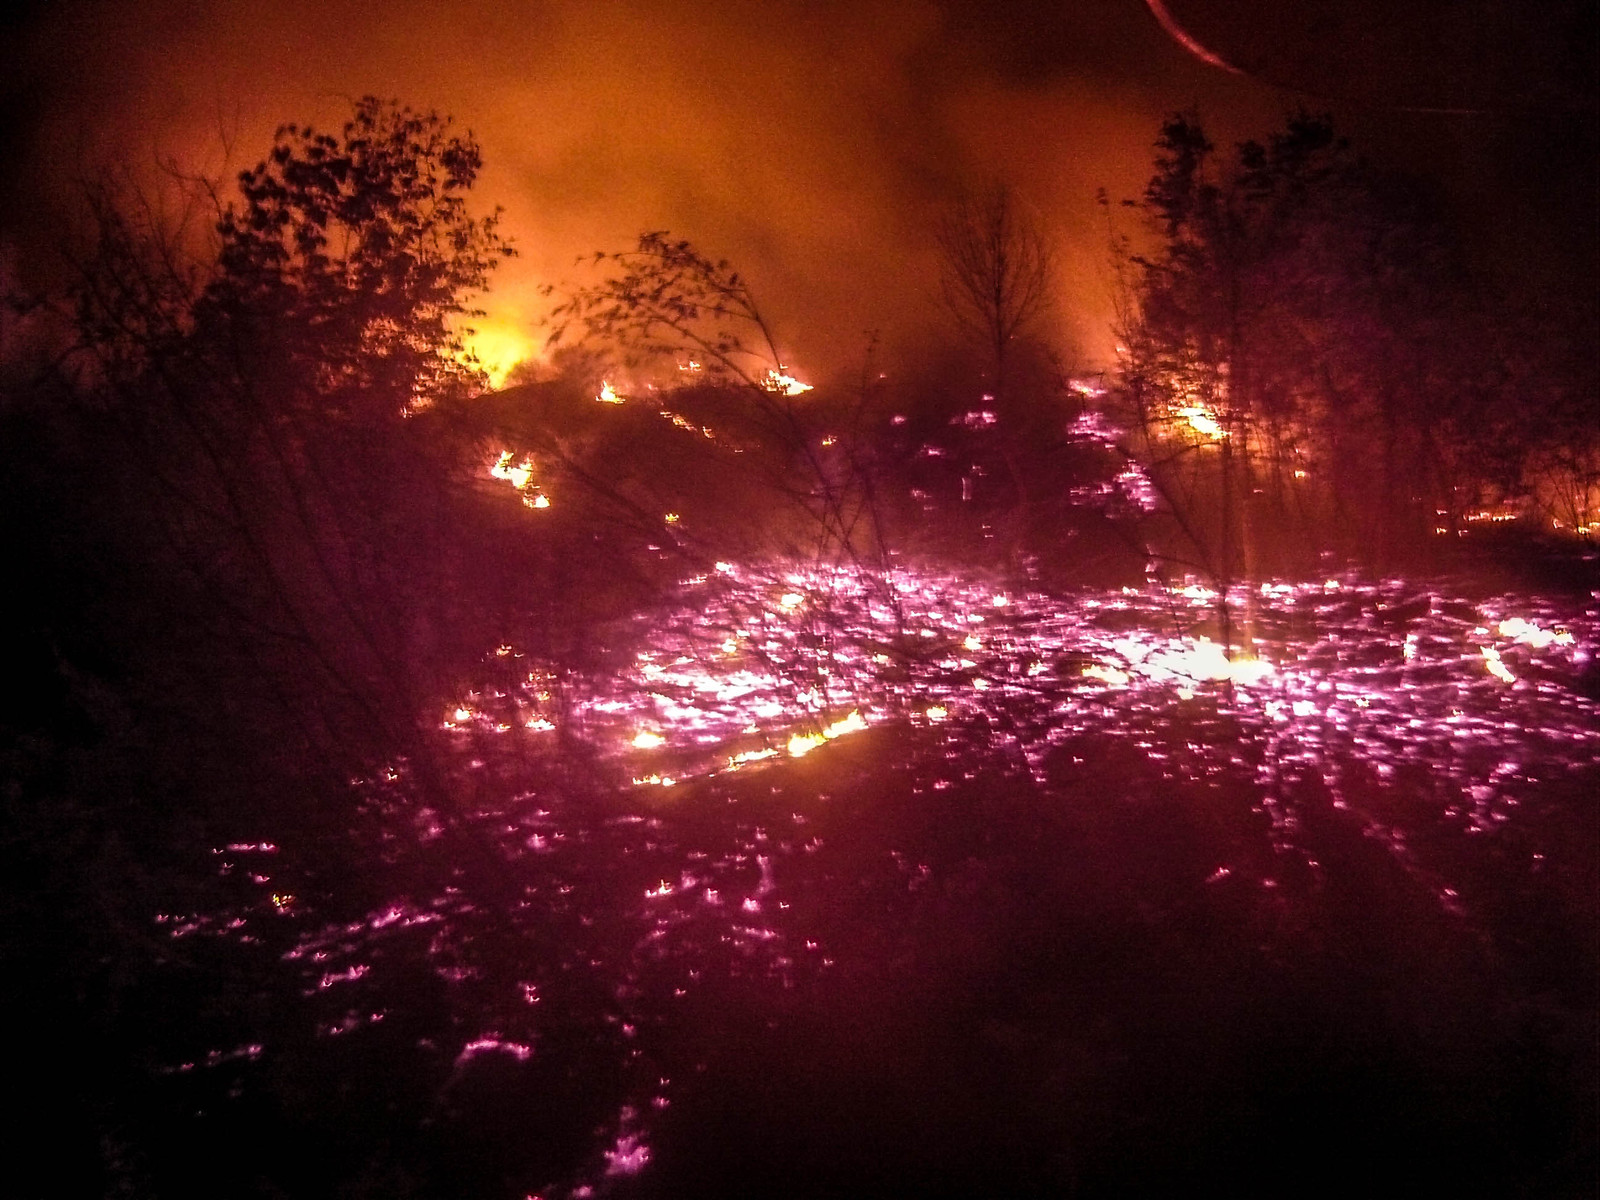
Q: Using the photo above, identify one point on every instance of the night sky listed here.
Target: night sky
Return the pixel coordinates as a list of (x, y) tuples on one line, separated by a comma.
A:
[(814, 144)]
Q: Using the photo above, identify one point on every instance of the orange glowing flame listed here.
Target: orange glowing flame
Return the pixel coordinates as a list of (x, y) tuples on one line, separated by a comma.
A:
[(802, 744), (608, 394), (496, 348)]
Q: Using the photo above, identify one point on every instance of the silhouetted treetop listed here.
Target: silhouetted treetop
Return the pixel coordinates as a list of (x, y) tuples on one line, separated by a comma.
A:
[(356, 255)]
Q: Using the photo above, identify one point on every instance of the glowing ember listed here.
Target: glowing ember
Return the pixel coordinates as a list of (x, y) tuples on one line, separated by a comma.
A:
[(655, 891)]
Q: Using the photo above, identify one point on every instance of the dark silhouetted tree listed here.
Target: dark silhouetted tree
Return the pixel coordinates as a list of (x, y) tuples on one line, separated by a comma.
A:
[(1302, 350), (287, 414), (995, 274)]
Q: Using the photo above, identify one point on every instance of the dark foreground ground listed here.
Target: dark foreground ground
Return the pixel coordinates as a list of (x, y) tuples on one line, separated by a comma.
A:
[(1169, 948)]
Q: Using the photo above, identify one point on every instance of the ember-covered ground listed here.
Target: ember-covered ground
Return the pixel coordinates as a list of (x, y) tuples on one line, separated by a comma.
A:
[(911, 884)]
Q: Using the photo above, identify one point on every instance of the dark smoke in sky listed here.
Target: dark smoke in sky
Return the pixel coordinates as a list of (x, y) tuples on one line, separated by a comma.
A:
[(814, 143)]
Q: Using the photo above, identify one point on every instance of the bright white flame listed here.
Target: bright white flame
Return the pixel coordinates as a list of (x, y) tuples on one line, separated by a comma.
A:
[(1491, 659), (648, 739), (1200, 660), (784, 384), (1529, 634), (517, 475), (608, 394), (1203, 422)]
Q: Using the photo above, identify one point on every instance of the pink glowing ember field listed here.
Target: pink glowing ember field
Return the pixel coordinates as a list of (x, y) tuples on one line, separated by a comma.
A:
[(692, 827)]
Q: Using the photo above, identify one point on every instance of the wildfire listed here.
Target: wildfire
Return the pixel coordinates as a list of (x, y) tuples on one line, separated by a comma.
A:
[(1187, 661), (519, 476), (784, 384), (496, 349), (1519, 630), (802, 744), (1491, 660), (608, 394), (1203, 421)]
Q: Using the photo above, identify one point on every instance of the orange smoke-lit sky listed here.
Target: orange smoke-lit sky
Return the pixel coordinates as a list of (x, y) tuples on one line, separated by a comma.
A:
[(813, 144)]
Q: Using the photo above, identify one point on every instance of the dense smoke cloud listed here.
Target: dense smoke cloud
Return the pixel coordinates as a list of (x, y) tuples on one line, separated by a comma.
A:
[(813, 144)]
